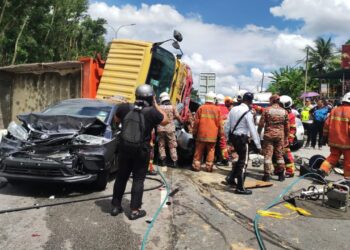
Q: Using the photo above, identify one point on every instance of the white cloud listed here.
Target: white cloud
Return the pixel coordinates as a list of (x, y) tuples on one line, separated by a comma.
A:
[(319, 16), (237, 55)]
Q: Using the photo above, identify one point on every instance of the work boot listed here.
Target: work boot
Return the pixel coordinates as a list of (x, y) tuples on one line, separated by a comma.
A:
[(173, 164), (223, 163), (134, 215), (116, 210), (230, 180), (266, 177), (162, 163), (281, 176), (240, 186)]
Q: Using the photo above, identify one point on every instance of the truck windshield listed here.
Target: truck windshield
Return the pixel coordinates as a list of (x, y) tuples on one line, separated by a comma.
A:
[(161, 71)]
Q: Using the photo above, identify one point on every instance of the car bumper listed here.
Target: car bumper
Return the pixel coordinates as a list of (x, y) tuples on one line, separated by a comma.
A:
[(40, 170), (88, 178)]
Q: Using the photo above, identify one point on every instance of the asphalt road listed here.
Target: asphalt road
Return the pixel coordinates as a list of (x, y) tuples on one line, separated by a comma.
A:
[(203, 215)]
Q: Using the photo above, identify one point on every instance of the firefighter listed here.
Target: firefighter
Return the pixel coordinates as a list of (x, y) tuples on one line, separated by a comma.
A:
[(228, 102), (240, 125), (206, 130), (337, 130), (274, 120), (221, 149), (166, 134), (286, 103)]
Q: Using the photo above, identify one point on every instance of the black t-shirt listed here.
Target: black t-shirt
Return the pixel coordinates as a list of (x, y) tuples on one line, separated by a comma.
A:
[(152, 117)]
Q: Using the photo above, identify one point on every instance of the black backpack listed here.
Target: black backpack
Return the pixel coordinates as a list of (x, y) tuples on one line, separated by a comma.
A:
[(133, 131)]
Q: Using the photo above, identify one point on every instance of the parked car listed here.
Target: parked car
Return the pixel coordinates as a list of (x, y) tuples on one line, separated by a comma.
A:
[(299, 136), (70, 142)]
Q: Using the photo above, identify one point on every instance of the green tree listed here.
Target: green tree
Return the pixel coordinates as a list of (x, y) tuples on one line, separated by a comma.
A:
[(48, 30), (287, 81), (322, 57)]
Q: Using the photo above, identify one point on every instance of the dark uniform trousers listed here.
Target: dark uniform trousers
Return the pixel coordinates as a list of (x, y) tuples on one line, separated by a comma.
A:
[(137, 165), (240, 143)]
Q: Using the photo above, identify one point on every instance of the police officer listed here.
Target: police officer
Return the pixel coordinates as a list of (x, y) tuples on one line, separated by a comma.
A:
[(240, 125), (274, 120), (137, 165)]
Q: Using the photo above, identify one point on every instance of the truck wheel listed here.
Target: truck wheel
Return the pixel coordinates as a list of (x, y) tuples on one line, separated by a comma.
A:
[(102, 180)]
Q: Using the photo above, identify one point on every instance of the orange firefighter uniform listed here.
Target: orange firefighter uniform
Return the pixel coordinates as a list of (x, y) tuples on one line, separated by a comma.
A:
[(337, 129), (206, 129), (222, 138), (288, 157)]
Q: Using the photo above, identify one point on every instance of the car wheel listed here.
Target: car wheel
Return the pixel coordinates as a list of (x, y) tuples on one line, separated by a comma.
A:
[(102, 180)]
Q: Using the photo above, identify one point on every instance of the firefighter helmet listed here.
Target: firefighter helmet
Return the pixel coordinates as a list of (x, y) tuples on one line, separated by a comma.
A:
[(346, 98), (210, 97), (286, 101), (220, 99), (164, 97)]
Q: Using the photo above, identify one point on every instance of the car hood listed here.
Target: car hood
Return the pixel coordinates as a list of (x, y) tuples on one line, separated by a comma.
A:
[(60, 124)]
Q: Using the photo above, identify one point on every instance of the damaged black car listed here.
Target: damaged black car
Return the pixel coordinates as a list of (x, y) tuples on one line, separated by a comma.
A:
[(73, 141)]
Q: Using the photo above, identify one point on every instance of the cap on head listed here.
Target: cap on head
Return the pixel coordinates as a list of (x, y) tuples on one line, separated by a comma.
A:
[(220, 99), (248, 97), (210, 97), (286, 101), (164, 97), (274, 98), (346, 98)]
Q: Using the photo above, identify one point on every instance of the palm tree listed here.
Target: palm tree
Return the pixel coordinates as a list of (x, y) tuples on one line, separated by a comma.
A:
[(321, 56)]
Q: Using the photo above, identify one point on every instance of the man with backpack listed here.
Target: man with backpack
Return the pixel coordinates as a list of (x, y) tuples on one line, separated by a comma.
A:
[(319, 114), (137, 122)]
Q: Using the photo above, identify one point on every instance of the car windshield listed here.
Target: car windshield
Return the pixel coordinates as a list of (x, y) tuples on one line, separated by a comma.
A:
[(101, 112), (161, 71)]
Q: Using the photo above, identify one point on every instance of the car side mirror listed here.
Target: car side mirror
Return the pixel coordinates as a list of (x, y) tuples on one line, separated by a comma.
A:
[(177, 35)]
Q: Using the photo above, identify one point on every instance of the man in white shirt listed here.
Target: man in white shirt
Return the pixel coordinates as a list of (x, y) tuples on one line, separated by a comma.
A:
[(240, 126)]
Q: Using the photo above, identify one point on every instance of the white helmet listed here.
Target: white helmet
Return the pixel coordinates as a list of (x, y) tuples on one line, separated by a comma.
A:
[(286, 101), (210, 97), (346, 98), (241, 94), (220, 99), (164, 97)]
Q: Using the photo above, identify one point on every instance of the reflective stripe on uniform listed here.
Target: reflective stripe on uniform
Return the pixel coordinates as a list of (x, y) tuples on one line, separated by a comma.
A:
[(210, 116), (337, 118), (339, 146)]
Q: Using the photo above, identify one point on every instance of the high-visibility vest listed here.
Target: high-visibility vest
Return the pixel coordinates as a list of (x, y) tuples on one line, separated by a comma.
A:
[(305, 114)]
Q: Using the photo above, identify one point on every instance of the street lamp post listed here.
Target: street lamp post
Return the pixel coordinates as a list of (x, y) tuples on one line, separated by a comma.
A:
[(121, 26)]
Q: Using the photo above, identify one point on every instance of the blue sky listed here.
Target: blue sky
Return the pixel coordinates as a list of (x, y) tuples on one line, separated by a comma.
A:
[(235, 13)]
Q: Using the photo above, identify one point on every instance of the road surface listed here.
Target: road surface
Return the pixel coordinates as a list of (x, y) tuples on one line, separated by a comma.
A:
[(204, 214)]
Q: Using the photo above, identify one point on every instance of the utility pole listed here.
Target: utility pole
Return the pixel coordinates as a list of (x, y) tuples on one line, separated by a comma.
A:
[(306, 69), (262, 82)]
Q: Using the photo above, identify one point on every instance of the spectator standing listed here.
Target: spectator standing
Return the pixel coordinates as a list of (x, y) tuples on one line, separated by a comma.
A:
[(319, 114)]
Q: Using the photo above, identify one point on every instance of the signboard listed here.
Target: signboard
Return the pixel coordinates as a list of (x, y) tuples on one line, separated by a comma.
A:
[(324, 88), (206, 84), (345, 57)]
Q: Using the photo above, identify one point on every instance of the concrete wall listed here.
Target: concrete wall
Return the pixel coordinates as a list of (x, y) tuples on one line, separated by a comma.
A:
[(34, 92)]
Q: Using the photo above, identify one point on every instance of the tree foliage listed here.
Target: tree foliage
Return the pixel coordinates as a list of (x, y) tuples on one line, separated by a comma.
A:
[(291, 81), (48, 30)]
